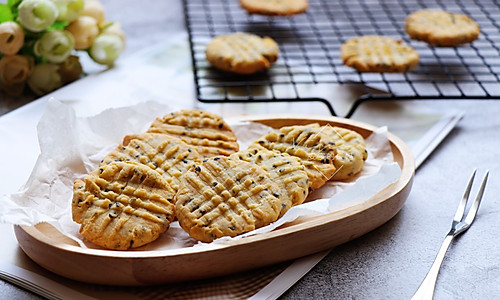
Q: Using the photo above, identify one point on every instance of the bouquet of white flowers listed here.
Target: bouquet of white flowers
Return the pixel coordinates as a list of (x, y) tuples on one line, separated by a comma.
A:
[(40, 42)]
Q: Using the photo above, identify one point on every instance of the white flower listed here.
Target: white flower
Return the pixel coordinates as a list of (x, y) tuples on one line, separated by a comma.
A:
[(106, 48), (84, 29), (94, 9), (69, 10), (37, 15), (45, 78), (55, 46), (114, 28)]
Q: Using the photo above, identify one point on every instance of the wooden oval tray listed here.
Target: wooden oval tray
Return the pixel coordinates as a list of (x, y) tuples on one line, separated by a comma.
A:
[(54, 251)]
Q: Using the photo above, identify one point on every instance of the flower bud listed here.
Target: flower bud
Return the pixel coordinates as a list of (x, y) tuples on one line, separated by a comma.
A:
[(11, 38), (69, 10), (37, 15), (84, 30), (70, 69), (55, 46), (114, 28), (94, 9), (45, 78), (106, 48), (15, 69)]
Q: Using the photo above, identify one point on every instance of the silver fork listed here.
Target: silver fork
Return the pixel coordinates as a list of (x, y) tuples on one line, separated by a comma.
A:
[(460, 224)]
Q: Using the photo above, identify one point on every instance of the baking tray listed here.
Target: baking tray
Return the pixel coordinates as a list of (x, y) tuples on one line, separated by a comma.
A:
[(56, 252), (310, 53)]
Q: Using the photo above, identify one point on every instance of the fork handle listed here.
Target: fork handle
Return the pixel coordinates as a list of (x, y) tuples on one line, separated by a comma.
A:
[(426, 289)]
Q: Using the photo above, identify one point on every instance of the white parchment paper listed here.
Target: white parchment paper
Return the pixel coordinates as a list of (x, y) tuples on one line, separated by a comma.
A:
[(73, 146)]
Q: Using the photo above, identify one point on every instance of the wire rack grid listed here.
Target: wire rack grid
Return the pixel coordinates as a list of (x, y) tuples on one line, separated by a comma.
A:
[(310, 52)]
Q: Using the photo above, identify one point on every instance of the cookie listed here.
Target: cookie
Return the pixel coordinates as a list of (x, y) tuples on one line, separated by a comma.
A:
[(351, 151), (283, 169), (309, 145), (275, 7), (372, 53), (122, 205), (441, 28), (166, 154), (226, 197), (242, 53), (207, 132)]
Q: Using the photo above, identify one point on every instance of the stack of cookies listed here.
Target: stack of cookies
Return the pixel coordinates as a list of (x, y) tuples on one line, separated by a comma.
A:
[(130, 199), (188, 166)]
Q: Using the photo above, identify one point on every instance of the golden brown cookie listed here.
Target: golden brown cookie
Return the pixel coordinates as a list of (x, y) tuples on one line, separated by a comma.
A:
[(309, 145), (242, 53), (441, 28), (122, 205), (372, 53), (275, 7), (285, 170), (207, 132), (351, 151), (164, 153), (226, 197)]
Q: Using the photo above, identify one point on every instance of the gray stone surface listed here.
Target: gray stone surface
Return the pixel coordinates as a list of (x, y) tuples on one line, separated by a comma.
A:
[(390, 262)]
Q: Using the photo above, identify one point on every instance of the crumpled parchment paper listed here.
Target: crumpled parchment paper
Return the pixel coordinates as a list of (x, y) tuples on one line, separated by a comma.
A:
[(73, 146)]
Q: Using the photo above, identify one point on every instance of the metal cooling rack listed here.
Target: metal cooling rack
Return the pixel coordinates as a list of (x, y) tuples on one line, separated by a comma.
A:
[(310, 52)]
